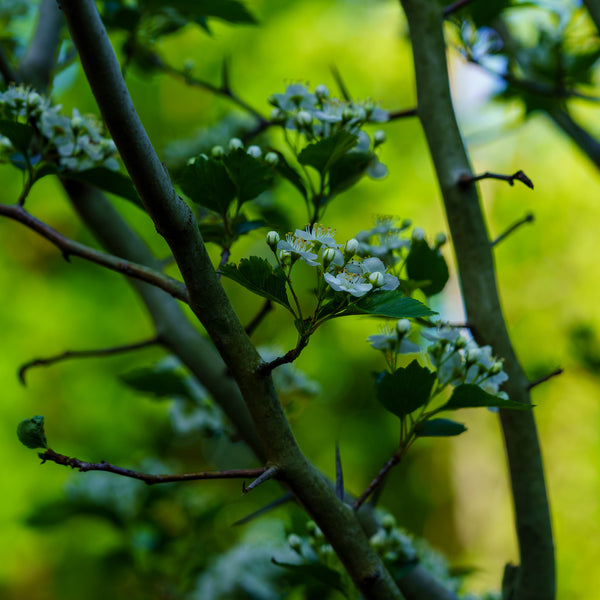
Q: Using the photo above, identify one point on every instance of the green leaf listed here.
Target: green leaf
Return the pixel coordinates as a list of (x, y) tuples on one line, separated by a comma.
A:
[(206, 182), (389, 303), (18, 133), (406, 389), (257, 275), (322, 155), (427, 264), (158, 381), (231, 11), (348, 170), (318, 571), (113, 182), (285, 170), (440, 428), (31, 432), (472, 396), (250, 176)]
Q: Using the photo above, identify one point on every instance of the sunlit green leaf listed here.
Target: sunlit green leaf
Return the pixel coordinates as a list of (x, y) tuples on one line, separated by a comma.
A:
[(31, 432), (326, 152), (389, 303), (348, 170), (471, 396)]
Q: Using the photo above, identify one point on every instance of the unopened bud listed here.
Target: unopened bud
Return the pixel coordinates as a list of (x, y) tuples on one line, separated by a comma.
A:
[(273, 239), (377, 279), (235, 143), (271, 158), (379, 137), (460, 342), (388, 522), (403, 326), (303, 118), (440, 240), (473, 355), (321, 92), (328, 256), (352, 246), (254, 151), (347, 114), (217, 151), (496, 368), (418, 235), (295, 541)]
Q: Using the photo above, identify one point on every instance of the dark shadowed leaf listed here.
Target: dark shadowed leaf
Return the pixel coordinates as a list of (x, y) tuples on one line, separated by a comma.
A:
[(427, 264), (285, 170), (206, 182), (322, 155), (18, 133), (440, 428), (317, 571), (405, 389), (231, 11), (257, 275), (250, 176), (31, 432), (113, 182), (348, 170), (389, 303), (472, 396), (160, 382)]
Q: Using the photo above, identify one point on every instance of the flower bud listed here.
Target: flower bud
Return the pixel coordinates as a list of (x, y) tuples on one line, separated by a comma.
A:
[(352, 246), (303, 118), (460, 342), (217, 151), (34, 99), (313, 529), (271, 158), (379, 137), (418, 235), (328, 256), (390, 557), (405, 224), (254, 151), (295, 541), (321, 92), (496, 368), (378, 540), (377, 279), (388, 522), (402, 327), (277, 115), (360, 113), (76, 123), (235, 143), (440, 240), (347, 114), (273, 239), (473, 355)]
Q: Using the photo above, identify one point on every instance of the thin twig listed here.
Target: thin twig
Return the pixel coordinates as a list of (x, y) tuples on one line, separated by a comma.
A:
[(466, 180), (554, 373), (378, 479), (147, 478), (267, 307), (528, 218), (455, 6), (287, 497), (267, 474), (340, 83), (50, 360), (70, 247), (402, 114), (339, 475)]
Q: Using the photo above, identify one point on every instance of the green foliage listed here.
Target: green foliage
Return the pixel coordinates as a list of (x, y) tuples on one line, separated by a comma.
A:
[(427, 266), (314, 570), (257, 275), (19, 134), (325, 153), (31, 432), (250, 176), (472, 396), (439, 428), (159, 381), (405, 390), (390, 303)]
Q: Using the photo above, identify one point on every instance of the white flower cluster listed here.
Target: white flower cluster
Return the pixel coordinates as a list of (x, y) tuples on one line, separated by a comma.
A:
[(318, 116), (342, 270), (384, 240), (271, 158), (458, 360), (75, 144), (394, 341)]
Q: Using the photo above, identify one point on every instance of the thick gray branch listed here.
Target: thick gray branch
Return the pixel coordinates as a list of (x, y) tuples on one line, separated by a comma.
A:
[(536, 579)]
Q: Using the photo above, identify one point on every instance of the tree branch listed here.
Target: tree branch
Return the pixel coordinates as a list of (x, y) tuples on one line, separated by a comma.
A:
[(50, 360), (466, 179), (536, 580), (528, 218), (175, 222), (147, 478), (70, 247)]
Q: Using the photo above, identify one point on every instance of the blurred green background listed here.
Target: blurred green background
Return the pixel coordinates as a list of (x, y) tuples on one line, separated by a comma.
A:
[(452, 492)]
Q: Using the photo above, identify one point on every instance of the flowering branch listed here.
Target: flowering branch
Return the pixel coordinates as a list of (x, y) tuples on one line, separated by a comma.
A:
[(70, 247), (147, 478), (50, 360), (528, 218)]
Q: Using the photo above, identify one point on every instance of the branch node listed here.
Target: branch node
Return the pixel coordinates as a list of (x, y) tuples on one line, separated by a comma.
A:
[(270, 473), (467, 179)]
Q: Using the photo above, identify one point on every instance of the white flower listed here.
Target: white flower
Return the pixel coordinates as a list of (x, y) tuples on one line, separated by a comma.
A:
[(296, 96), (321, 92), (374, 265), (389, 341), (300, 247), (303, 118), (319, 235), (352, 283)]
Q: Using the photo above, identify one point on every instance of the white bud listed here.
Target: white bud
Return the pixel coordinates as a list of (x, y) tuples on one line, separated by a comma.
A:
[(217, 151), (496, 368), (294, 541), (328, 256), (388, 522), (76, 123), (277, 115), (271, 158), (460, 342), (418, 235), (403, 326), (254, 151), (378, 540), (440, 239), (377, 279), (235, 143), (473, 355), (273, 239), (379, 137), (303, 118), (347, 114), (321, 92), (34, 99), (352, 246), (360, 113)]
